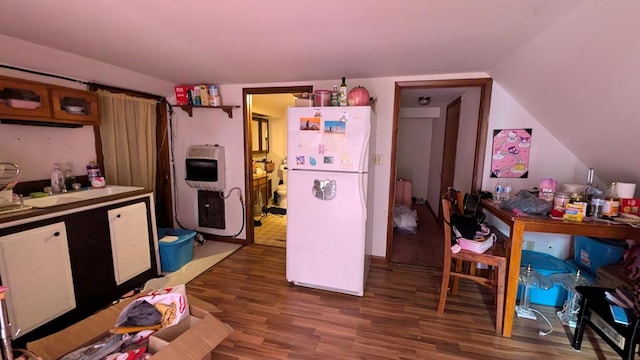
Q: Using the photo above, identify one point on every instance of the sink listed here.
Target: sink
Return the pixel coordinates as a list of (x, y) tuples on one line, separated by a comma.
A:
[(74, 196)]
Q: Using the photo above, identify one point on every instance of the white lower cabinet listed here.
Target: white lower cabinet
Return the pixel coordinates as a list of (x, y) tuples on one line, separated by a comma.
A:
[(129, 232), (35, 265)]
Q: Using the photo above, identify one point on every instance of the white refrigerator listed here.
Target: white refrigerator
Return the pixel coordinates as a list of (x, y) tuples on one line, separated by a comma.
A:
[(328, 187)]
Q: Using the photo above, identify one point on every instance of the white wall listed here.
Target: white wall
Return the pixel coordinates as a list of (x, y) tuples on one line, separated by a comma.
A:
[(36, 149), (212, 126), (548, 157), (414, 153)]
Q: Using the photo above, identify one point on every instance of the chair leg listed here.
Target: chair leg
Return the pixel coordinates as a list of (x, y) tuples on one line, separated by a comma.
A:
[(456, 280), (502, 274), (444, 287)]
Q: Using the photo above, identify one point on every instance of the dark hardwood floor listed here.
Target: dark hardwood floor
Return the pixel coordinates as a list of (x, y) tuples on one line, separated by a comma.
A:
[(395, 319), (425, 247)]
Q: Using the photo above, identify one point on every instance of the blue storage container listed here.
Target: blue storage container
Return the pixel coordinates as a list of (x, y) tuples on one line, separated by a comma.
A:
[(175, 254), (591, 253), (545, 265)]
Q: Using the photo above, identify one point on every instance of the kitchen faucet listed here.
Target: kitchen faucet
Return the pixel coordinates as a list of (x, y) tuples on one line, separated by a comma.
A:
[(62, 185)]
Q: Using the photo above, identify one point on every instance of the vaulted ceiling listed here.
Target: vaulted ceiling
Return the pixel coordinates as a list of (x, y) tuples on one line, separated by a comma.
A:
[(572, 64)]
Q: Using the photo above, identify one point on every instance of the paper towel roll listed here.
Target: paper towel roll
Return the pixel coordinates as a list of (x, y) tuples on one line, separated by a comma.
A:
[(626, 190)]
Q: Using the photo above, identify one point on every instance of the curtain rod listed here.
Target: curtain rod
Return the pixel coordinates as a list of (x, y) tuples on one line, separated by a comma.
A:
[(44, 74), (94, 85)]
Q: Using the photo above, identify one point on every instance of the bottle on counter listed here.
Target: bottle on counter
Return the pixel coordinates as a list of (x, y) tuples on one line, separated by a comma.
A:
[(590, 189), (343, 92), (93, 171), (335, 96), (498, 191), (57, 177), (597, 204), (69, 178), (611, 201)]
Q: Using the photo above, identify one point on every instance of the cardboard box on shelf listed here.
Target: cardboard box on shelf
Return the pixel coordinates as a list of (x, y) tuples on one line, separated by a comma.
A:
[(630, 206), (195, 339), (182, 94)]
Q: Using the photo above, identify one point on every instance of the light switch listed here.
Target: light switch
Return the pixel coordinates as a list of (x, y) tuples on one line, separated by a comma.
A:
[(378, 159)]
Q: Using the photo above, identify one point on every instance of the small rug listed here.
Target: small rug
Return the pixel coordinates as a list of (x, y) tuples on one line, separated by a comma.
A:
[(277, 210), (204, 257)]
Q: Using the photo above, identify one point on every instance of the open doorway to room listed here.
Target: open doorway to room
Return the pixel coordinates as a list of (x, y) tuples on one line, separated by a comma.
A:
[(439, 136), (265, 133)]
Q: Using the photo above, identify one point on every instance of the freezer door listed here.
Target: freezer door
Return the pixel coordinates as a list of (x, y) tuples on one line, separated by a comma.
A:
[(326, 219), (329, 138)]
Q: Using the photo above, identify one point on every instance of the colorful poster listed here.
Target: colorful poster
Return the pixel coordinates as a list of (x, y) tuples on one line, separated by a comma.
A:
[(510, 155)]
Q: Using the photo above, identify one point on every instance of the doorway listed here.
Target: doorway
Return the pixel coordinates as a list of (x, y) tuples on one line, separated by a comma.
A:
[(464, 170), (265, 134)]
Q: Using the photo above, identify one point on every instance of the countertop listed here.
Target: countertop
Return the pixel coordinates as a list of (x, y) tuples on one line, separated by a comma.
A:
[(34, 212)]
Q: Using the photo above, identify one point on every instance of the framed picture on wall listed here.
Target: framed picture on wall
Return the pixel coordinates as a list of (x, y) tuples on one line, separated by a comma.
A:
[(510, 153)]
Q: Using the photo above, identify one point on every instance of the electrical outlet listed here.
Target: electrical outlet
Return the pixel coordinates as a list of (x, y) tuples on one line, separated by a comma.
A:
[(528, 245), (378, 159)]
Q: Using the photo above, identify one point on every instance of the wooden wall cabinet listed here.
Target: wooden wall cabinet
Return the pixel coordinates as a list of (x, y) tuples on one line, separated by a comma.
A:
[(26, 100), (75, 106)]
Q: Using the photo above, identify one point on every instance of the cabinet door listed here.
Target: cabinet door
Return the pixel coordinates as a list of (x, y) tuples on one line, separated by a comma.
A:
[(129, 241), (24, 99), (35, 266), (75, 106)]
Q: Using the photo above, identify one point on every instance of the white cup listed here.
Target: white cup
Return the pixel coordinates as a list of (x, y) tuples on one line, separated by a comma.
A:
[(626, 190)]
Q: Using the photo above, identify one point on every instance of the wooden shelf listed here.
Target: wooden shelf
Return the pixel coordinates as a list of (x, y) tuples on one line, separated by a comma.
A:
[(226, 108)]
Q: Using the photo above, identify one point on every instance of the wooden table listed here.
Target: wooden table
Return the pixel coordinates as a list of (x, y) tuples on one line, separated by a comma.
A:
[(544, 224)]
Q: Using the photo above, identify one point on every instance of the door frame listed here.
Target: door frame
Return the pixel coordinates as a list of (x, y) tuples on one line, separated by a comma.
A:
[(248, 147), (485, 85)]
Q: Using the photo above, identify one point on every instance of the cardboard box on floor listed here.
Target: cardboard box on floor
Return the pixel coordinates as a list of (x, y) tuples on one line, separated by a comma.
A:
[(193, 338)]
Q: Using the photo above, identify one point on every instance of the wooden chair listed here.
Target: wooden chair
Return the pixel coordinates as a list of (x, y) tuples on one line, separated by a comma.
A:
[(494, 257)]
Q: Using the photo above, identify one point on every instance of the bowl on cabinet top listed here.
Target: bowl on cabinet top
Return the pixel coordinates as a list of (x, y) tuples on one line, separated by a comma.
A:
[(74, 109)]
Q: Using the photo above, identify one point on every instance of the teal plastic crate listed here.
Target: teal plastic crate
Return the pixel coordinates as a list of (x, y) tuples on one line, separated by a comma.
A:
[(175, 254), (591, 253), (546, 265)]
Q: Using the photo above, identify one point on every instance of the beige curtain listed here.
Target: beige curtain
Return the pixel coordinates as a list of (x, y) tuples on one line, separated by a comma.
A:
[(127, 130)]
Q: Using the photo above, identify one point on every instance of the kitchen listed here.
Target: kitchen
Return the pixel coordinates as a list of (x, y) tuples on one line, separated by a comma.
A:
[(513, 105)]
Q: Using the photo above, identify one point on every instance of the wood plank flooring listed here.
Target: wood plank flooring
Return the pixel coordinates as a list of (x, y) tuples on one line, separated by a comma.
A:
[(395, 319), (425, 247)]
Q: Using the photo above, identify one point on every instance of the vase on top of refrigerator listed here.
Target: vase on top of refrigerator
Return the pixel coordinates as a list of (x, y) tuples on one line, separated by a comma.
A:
[(330, 191)]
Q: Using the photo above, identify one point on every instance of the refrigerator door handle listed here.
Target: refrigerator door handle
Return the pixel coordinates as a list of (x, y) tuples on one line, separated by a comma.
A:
[(363, 194), (364, 153)]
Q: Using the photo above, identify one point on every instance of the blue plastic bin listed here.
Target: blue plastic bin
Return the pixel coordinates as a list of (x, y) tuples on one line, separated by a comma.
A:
[(591, 253), (546, 265), (175, 254)]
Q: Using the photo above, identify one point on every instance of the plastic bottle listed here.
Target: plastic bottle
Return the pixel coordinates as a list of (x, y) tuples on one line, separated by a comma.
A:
[(93, 170), (56, 177), (69, 178), (343, 92), (499, 189), (597, 204), (611, 201), (335, 96), (590, 190), (506, 190)]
